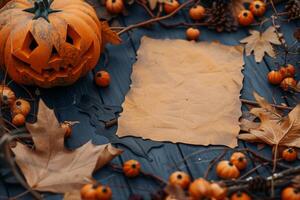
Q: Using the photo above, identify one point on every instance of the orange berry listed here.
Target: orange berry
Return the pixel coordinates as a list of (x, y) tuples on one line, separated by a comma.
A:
[(245, 18), (192, 34), (200, 189), (114, 6), (171, 6), (21, 106), (102, 78), (18, 120), (239, 160), (88, 192), (290, 193), (275, 77), (289, 154), (181, 179), (287, 83), (227, 170), (103, 193), (197, 12), (132, 168), (258, 8), (240, 196)]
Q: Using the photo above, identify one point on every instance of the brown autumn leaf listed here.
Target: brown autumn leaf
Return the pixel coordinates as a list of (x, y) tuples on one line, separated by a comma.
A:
[(50, 166), (275, 130), (261, 43), (108, 35)]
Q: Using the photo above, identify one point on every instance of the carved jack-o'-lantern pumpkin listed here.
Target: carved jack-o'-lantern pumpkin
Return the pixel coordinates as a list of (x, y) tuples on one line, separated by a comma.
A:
[(49, 44)]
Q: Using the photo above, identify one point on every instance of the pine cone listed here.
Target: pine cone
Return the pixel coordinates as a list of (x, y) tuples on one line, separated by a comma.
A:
[(220, 17), (293, 9)]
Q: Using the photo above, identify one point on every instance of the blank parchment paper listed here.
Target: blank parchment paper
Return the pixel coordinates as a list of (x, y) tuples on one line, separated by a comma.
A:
[(184, 92)]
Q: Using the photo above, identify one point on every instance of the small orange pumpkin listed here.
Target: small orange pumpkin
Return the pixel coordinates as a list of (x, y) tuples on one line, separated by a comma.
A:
[(18, 120), (287, 83), (291, 70), (227, 170), (197, 12), (88, 192), (68, 128), (55, 44), (290, 193), (240, 196), (103, 193), (102, 78), (258, 8), (239, 160), (200, 188), (289, 154), (192, 34), (171, 6), (245, 18), (275, 77), (21, 106), (180, 178), (114, 6), (7, 96), (132, 168), (218, 192)]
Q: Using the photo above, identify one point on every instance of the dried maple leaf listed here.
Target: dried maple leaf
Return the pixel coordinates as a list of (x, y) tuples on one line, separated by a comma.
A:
[(50, 166), (261, 43), (274, 130)]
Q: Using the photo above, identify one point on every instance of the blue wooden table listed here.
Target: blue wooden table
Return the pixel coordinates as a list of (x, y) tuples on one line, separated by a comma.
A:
[(166, 157)]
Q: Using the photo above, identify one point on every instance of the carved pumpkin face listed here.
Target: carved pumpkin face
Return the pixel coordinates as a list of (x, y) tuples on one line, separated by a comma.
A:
[(49, 44)]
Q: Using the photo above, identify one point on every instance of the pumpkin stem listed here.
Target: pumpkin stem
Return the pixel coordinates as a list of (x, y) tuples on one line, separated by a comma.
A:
[(41, 9)]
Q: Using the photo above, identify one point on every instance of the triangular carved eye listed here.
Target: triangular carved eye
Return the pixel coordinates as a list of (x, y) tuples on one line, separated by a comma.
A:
[(73, 37), (30, 44), (54, 53)]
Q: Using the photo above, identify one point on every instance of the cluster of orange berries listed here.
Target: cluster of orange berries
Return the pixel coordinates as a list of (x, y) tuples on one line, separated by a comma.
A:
[(284, 76), (196, 13), (257, 8), (95, 192), (20, 108)]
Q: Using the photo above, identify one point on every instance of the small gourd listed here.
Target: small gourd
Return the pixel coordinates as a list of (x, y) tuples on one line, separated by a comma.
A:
[(200, 188), (180, 178), (114, 6), (88, 192), (258, 8), (239, 160), (245, 18), (192, 34), (289, 154), (218, 192), (103, 193), (275, 77), (287, 83), (132, 168), (102, 78), (240, 196), (227, 170), (21, 106), (197, 12), (7, 96), (290, 193), (171, 6), (18, 119)]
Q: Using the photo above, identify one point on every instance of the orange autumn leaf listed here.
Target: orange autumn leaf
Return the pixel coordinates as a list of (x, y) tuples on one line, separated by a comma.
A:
[(274, 129), (50, 166), (108, 35)]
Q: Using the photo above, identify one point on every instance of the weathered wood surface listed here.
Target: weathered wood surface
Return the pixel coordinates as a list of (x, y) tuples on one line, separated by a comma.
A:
[(169, 157)]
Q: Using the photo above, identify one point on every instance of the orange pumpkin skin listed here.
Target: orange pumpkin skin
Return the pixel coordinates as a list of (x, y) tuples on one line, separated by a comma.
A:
[(227, 170), (289, 154), (171, 6), (114, 6), (88, 192), (192, 34), (21, 106), (49, 53), (287, 83), (103, 193), (7, 96), (258, 8), (245, 18), (18, 120), (240, 196), (200, 188), (218, 192), (197, 12), (102, 78), (290, 193), (180, 178), (275, 77), (132, 168), (239, 160)]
